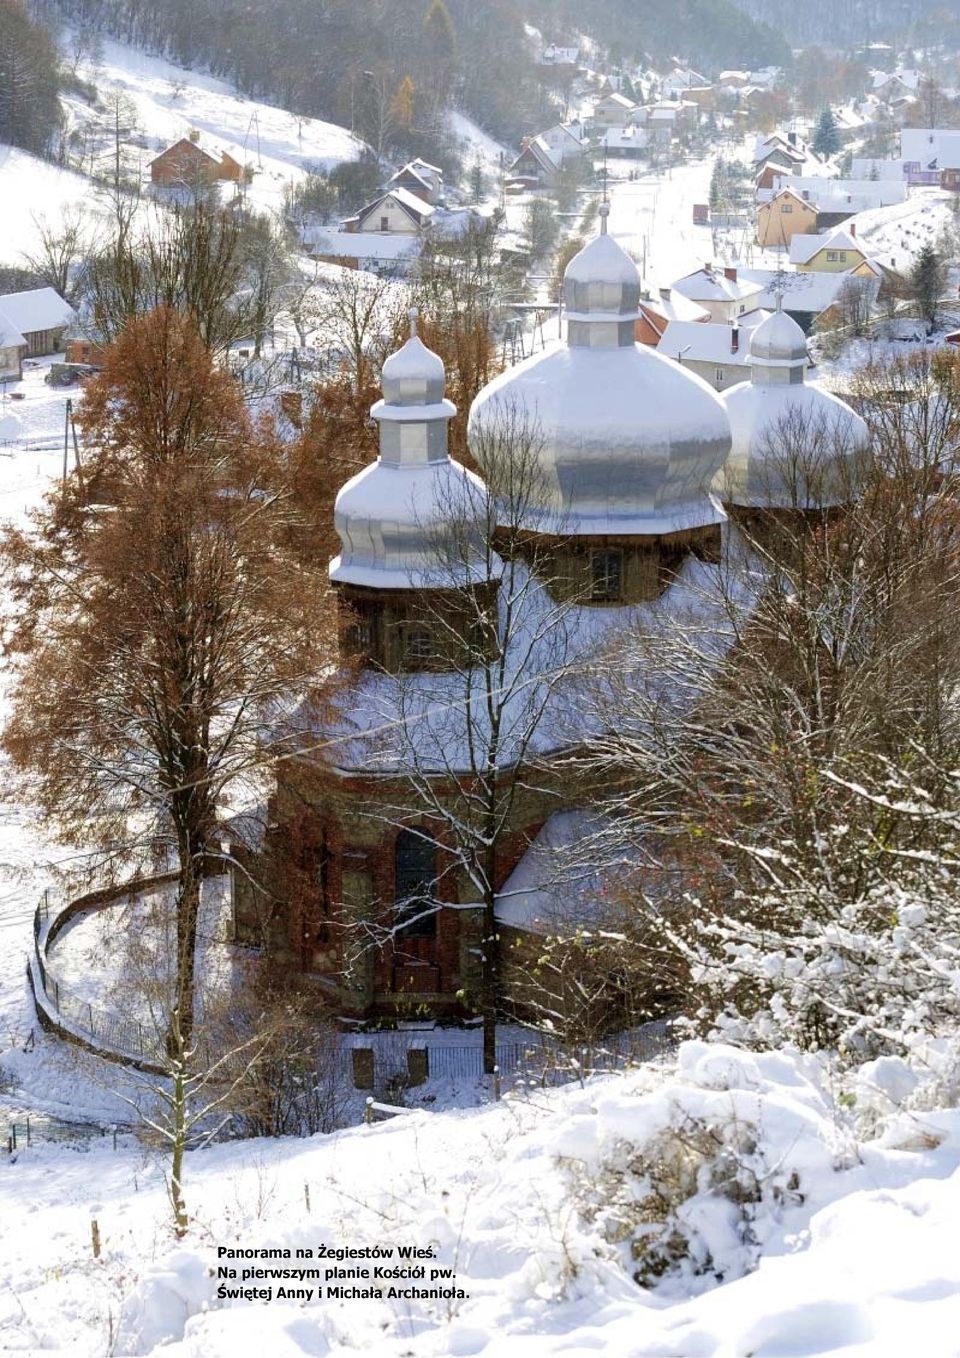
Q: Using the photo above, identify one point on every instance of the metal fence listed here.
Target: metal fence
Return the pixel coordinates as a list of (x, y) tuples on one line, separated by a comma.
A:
[(114, 1034), (538, 1059)]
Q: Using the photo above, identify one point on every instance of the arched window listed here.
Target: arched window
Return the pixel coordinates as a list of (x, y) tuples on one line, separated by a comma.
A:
[(415, 885)]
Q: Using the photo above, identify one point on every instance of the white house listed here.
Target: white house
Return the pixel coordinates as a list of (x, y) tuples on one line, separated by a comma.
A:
[(843, 196), (721, 292), (613, 110), (396, 212), (716, 352), (420, 178)]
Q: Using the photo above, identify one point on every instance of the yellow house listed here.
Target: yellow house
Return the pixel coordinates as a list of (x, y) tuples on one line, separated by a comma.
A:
[(836, 251), (786, 215)]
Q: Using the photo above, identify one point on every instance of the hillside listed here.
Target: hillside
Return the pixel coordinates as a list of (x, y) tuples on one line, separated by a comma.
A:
[(533, 1215)]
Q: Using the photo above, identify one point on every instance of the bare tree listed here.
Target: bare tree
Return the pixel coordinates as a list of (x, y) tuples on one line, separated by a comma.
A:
[(60, 252), (358, 316)]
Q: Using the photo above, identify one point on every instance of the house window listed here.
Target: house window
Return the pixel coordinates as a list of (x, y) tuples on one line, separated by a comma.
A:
[(842, 256), (832, 256), (416, 645), (606, 576), (786, 207), (384, 223), (718, 375), (415, 880)]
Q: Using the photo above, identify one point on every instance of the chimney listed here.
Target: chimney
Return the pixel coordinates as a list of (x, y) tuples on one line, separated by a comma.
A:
[(853, 228), (734, 339), (730, 272), (665, 294), (792, 138)]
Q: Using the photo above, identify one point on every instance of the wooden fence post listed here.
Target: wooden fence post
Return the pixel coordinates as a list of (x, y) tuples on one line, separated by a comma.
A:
[(368, 1110), (496, 1083), (95, 1238)]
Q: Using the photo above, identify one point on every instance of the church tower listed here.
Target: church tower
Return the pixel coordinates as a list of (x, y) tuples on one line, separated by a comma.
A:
[(628, 441), (404, 565)]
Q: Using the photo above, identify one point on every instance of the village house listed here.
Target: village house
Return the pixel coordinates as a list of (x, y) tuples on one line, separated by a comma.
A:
[(780, 219), (189, 162), (716, 351), (395, 212), (376, 252), (810, 297), (931, 156), (537, 164), (613, 110), (629, 143), (836, 251), (801, 204), (39, 316), (421, 179), (720, 291)]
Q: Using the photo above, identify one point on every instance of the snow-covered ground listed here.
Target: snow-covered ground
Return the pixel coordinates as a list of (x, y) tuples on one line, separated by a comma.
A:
[(31, 191), (802, 1241), (171, 102)]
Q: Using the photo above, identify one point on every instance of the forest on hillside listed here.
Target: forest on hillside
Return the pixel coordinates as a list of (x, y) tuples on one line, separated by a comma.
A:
[(902, 23), (710, 34), (391, 69)]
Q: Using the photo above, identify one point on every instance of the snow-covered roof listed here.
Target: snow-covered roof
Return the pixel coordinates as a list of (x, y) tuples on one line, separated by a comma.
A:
[(809, 292), (865, 167), (546, 890), (834, 195), (931, 144), (695, 342), (542, 152), (36, 309), (617, 100), (379, 245), (713, 285), (624, 138), (10, 336), (803, 247), (909, 78)]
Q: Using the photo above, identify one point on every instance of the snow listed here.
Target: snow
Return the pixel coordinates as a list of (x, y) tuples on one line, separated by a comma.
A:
[(36, 309), (33, 190), (171, 102), (833, 1246)]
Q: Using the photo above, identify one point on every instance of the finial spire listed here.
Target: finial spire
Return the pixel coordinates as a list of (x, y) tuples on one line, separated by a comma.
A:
[(604, 214), (413, 313)]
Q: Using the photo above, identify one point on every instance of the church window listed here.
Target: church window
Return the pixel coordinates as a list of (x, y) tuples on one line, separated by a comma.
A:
[(417, 648), (606, 576), (415, 868)]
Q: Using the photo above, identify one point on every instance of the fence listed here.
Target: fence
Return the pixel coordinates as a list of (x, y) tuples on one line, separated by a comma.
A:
[(22, 1130), (538, 1059), (113, 1035)]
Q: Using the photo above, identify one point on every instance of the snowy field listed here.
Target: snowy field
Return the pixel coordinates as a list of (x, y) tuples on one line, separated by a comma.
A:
[(838, 1248)]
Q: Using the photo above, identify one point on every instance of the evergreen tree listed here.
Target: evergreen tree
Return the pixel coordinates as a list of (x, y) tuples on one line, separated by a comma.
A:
[(29, 80), (826, 140), (928, 278)]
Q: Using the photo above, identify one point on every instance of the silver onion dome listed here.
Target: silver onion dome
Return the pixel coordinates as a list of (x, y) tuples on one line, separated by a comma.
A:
[(628, 441), (389, 517), (794, 444)]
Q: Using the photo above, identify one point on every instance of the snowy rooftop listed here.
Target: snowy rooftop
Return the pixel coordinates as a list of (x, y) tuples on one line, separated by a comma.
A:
[(707, 343), (36, 309), (713, 285)]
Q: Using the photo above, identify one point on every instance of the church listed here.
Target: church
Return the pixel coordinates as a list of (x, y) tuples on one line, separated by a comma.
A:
[(436, 790)]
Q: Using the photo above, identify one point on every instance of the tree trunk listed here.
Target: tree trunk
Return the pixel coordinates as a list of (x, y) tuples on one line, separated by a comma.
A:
[(179, 1117), (490, 971), (180, 1033)]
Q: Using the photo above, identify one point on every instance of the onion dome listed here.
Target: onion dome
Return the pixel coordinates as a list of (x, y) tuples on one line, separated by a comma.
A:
[(795, 444), (628, 441), (389, 515)]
